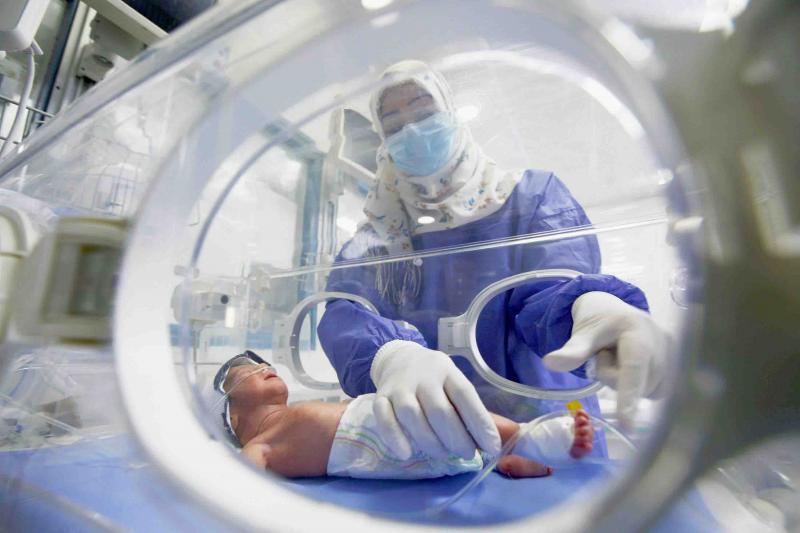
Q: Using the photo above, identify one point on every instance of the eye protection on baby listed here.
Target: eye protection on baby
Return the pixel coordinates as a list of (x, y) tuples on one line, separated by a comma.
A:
[(248, 358), (245, 358)]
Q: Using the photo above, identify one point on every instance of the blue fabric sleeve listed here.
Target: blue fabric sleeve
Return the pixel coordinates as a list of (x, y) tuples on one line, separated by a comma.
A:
[(351, 334), (554, 209), (542, 311), (545, 320)]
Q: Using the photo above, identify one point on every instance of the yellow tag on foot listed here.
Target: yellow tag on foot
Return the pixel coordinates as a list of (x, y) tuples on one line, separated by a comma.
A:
[(574, 406)]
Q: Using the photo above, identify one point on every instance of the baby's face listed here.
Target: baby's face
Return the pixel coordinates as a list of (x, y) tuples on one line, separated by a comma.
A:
[(249, 389)]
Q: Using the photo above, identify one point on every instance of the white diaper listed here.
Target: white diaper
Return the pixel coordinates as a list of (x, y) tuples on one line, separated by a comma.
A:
[(549, 442), (359, 451)]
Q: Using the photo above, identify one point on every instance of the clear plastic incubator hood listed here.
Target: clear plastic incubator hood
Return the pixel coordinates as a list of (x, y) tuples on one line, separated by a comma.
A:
[(200, 203)]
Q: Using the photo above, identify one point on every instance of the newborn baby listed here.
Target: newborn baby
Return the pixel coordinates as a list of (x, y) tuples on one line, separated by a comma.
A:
[(341, 439)]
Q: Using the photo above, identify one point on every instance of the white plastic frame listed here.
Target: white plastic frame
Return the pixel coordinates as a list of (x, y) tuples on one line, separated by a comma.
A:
[(458, 336)]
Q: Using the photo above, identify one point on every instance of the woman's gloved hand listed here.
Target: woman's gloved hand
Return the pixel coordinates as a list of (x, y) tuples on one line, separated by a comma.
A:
[(422, 395), (631, 349)]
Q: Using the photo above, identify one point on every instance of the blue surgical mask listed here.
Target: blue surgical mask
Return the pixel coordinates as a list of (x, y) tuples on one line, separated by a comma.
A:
[(423, 147)]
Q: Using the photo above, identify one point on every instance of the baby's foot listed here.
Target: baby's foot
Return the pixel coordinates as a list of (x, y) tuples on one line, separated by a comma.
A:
[(583, 439), (515, 466)]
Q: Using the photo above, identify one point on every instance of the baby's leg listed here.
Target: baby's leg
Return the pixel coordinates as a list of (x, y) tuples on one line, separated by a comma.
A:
[(558, 441), (555, 442), (515, 465)]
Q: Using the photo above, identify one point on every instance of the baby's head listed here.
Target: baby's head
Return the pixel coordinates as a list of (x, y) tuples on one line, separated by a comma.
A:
[(254, 390)]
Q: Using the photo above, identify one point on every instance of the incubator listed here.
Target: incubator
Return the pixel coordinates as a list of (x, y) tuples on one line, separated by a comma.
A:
[(205, 200)]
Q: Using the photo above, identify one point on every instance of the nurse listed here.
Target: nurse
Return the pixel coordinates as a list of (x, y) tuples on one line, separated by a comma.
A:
[(435, 188)]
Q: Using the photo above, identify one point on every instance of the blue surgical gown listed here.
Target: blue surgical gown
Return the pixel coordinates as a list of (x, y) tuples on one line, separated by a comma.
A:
[(515, 329)]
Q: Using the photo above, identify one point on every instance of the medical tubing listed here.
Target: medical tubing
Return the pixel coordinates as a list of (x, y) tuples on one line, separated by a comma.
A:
[(15, 133), (506, 450), (52, 421)]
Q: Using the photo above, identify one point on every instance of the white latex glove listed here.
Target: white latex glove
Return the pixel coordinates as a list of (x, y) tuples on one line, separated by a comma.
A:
[(422, 395), (631, 349)]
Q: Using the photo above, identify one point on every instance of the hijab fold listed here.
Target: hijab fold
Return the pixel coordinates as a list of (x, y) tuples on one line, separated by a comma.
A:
[(468, 187)]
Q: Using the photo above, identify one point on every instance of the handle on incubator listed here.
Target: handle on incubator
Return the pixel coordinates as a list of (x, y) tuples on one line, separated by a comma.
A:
[(286, 349), (457, 336)]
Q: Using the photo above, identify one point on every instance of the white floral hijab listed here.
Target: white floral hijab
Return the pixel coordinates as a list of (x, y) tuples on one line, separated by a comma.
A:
[(468, 187)]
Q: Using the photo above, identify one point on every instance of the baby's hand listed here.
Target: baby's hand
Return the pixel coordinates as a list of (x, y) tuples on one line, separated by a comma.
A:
[(257, 453)]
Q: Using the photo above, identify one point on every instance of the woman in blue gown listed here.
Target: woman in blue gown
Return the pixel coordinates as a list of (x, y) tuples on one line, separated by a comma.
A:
[(435, 189)]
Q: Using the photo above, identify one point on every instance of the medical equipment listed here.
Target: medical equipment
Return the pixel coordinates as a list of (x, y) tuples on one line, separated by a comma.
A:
[(19, 20), (65, 286), (286, 347), (457, 336), (111, 48), (205, 121), (353, 145), (14, 229)]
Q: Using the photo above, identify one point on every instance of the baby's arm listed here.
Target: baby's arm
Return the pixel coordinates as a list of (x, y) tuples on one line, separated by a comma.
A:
[(257, 453), (298, 441)]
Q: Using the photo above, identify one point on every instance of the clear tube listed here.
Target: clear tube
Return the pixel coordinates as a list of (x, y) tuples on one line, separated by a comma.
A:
[(509, 446), (41, 416)]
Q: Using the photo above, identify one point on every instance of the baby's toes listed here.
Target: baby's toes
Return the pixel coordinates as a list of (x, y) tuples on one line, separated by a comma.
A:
[(583, 433), (582, 442), (583, 426), (580, 448)]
